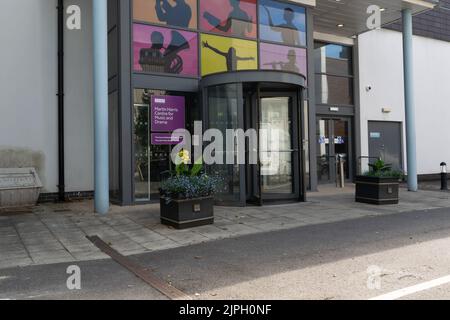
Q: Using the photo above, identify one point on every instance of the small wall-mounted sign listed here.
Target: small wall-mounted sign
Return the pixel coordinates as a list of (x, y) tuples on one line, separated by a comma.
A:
[(339, 140), (334, 109), (165, 139), (375, 135)]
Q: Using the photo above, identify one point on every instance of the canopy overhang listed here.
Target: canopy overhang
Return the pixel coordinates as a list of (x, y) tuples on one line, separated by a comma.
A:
[(347, 18)]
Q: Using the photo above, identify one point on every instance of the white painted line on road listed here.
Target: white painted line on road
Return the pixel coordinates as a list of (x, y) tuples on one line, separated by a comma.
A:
[(413, 289)]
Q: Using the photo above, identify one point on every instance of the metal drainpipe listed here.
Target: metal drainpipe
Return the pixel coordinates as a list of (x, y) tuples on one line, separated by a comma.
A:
[(61, 159)]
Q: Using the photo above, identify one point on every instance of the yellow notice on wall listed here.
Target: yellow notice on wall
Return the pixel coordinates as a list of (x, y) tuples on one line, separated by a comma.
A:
[(221, 54)]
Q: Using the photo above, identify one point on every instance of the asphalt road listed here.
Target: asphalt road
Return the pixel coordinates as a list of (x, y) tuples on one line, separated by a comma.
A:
[(355, 259)]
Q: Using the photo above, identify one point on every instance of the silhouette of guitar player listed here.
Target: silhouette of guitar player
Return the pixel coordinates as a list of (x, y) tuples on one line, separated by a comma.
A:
[(179, 15), (230, 56), (289, 32), (238, 21)]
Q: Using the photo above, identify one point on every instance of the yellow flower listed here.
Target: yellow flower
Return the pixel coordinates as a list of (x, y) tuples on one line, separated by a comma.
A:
[(184, 156)]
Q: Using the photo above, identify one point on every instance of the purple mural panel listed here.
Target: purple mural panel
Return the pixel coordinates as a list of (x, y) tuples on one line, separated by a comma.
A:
[(167, 113), (164, 50), (275, 57)]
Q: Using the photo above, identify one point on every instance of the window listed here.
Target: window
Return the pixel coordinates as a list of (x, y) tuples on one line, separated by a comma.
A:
[(282, 23), (334, 74), (275, 57), (181, 13), (233, 17), (163, 50), (220, 54), (152, 160)]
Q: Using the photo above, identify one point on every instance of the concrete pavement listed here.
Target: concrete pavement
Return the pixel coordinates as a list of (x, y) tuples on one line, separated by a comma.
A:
[(356, 259), (56, 233)]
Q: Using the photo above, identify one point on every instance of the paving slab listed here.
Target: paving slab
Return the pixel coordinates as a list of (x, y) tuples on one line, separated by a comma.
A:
[(57, 232)]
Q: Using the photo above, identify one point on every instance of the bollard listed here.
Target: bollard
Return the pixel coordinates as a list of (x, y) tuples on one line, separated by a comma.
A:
[(444, 176), (342, 170)]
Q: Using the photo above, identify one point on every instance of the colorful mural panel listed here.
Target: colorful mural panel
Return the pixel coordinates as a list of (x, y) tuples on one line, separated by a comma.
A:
[(221, 54), (163, 50)]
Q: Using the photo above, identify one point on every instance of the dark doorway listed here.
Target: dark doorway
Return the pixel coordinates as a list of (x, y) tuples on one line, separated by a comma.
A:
[(385, 142), (334, 139)]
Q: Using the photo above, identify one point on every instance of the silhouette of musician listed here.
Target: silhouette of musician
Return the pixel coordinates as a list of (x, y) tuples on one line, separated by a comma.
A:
[(289, 32), (230, 56), (155, 59), (291, 65), (179, 15), (238, 21)]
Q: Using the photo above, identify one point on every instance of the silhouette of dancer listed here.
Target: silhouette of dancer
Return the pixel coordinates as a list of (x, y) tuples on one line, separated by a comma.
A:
[(179, 15), (289, 32), (230, 56), (238, 21), (291, 65)]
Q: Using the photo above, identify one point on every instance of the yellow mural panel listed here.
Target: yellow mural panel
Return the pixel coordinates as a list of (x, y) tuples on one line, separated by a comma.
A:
[(220, 54)]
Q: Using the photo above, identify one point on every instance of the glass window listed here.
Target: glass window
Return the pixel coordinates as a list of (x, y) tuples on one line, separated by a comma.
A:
[(333, 59), (334, 90), (152, 162), (229, 17), (283, 23), (223, 115), (220, 54), (275, 57), (162, 50), (175, 13)]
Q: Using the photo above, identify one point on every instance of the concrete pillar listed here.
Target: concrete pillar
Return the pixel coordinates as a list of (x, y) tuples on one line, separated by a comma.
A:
[(410, 123), (101, 143)]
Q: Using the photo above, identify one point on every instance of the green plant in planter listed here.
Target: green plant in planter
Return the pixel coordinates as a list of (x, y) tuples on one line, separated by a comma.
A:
[(189, 181), (380, 169)]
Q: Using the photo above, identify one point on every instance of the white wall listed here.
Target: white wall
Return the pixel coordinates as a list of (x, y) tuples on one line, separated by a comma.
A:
[(381, 66), (28, 87), (28, 108)]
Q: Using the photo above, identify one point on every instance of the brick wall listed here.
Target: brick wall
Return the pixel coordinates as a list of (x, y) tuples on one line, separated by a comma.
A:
[(433, 24)]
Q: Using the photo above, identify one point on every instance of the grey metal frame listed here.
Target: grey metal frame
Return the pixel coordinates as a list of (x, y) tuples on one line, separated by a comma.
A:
[(311, 98)]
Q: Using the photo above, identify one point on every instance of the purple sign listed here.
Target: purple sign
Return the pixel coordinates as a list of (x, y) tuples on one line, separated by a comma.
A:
[(165, 139), (168, 113)]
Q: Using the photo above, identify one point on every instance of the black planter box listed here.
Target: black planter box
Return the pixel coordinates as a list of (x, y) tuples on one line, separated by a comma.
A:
[(378, 191), (183, 214)]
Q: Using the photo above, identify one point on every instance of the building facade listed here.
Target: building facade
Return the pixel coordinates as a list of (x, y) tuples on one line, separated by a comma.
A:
[(307, 68)]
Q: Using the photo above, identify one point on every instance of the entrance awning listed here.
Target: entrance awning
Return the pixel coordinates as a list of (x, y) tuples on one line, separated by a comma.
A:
[(346, 18)]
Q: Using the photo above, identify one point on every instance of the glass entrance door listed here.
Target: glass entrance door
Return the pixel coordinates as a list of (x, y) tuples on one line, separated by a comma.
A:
[(272, 168), (276, 176), (333, 140), (278, 148)]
